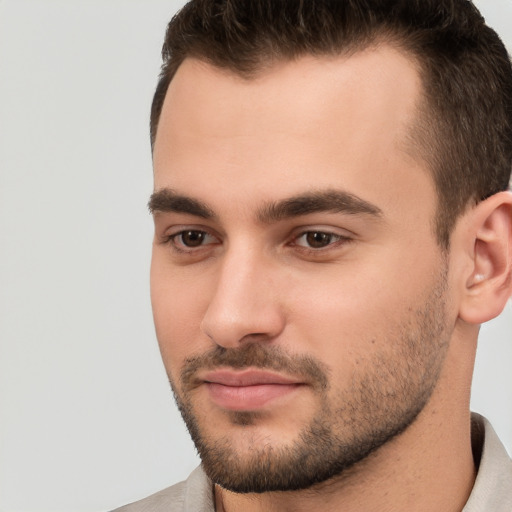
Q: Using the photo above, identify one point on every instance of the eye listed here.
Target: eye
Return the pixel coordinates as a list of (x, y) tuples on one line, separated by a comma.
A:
[(190, 239), (318, 239)]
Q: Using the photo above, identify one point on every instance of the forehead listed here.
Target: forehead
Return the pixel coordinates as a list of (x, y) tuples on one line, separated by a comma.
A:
[(377, 78), (328, 121)]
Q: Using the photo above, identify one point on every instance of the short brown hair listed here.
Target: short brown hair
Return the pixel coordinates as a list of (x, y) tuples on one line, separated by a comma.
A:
[(464, 130)]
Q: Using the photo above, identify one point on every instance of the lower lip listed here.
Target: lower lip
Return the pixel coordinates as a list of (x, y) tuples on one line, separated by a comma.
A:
[(248, 398)]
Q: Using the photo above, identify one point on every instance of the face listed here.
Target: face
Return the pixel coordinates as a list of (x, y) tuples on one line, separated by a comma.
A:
[(298, 290)]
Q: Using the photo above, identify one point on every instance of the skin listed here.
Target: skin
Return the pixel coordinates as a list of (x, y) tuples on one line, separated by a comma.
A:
[(321, 124)]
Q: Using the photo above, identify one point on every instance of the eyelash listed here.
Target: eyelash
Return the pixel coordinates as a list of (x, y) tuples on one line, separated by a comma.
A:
[(334, 240)]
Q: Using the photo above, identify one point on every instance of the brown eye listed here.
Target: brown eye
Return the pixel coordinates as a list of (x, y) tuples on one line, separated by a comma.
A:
[(192, 238), (318, 239)]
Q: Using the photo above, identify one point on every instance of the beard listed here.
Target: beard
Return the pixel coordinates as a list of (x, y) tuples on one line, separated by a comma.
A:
[(347, 426)]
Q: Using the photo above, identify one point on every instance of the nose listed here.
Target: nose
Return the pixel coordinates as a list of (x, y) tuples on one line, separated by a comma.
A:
[(245, 305)]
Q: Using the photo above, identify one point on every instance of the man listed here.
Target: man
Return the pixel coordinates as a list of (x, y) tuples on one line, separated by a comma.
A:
[(332, 225)]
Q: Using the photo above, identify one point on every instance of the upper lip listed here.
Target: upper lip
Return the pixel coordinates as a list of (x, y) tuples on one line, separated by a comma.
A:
[(249, 377)]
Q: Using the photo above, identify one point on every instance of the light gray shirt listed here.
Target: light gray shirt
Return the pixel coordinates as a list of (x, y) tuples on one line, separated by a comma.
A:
[(492, 491)]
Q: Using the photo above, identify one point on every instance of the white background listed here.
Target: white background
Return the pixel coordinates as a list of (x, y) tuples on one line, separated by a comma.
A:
[(87, 421)]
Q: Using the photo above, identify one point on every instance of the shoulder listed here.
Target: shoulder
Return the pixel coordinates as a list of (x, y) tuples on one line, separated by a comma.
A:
[(170, 499), (493, 485), (192, 495)]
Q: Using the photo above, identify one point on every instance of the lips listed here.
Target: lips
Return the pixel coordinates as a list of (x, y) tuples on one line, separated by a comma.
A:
[(247, 390)]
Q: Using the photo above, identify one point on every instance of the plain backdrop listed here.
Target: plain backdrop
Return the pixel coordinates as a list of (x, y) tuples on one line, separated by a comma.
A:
[(87, 419)]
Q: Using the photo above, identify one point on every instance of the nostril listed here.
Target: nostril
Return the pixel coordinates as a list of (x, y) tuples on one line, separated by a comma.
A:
[(256, 337)]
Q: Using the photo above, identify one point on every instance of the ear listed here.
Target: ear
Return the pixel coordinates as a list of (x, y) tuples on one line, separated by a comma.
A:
[(488, 283)]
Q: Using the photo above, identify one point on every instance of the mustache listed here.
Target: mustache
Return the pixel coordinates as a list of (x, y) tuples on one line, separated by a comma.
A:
[(255, 355)]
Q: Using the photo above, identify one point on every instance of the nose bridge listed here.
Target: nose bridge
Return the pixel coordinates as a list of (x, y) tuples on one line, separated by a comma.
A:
[(244, 303)]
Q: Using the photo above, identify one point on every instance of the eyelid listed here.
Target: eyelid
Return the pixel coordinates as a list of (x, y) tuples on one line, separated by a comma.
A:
[(320, 228)]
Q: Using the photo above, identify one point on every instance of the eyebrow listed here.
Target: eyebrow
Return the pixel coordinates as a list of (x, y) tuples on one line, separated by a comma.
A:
[(334, 201), (167, 200)]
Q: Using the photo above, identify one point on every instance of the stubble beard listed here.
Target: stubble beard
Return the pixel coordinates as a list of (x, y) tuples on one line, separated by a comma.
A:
[(382, 402)]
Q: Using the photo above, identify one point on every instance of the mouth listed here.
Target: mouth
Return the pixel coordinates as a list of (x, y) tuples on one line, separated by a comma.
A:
[(247, 390)]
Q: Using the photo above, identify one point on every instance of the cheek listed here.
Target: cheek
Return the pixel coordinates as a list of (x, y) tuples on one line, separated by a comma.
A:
[(178, 309), (343, 317)]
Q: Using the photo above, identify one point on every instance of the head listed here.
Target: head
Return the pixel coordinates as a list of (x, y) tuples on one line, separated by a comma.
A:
[(317, 225)]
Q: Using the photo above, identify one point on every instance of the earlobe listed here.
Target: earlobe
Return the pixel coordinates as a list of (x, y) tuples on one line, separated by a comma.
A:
[(489, 284)]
